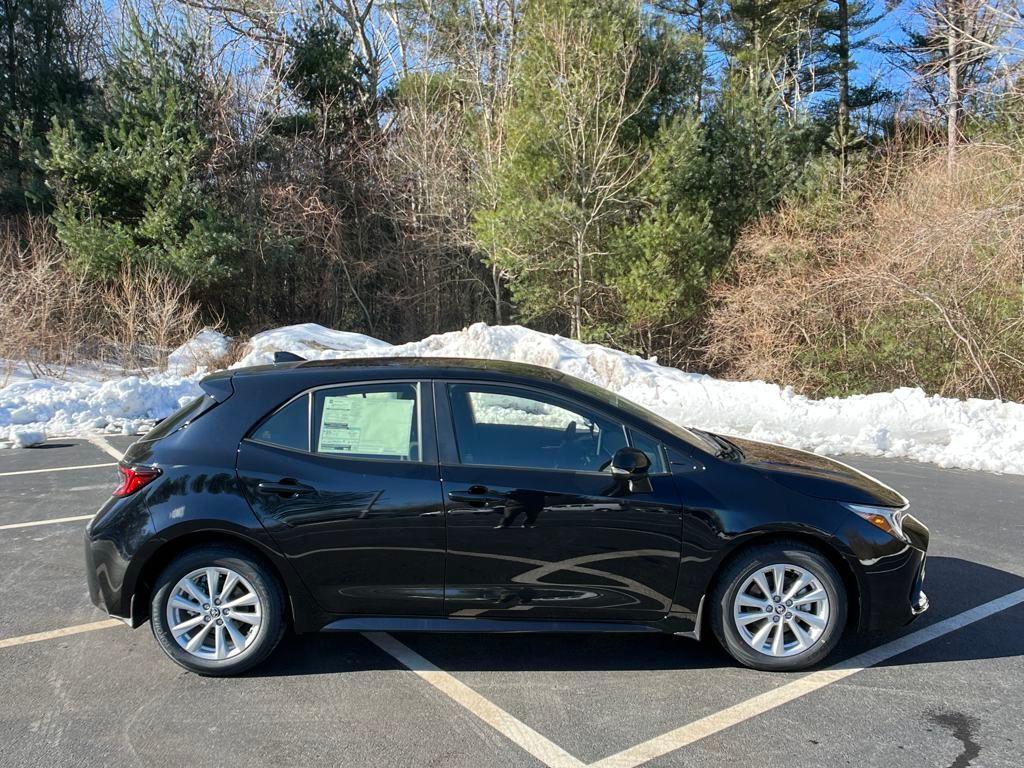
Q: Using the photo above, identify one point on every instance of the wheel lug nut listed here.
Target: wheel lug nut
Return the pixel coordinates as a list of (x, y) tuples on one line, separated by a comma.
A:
[(767, 609), (206, 606), (217, 601), (789, 615), (206, 617), (227, 611), (219, 622), (776, 598), (775, 619), (789, 602)]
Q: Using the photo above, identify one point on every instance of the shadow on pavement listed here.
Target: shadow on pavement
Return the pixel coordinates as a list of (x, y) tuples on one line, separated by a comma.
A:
[(953, 585)]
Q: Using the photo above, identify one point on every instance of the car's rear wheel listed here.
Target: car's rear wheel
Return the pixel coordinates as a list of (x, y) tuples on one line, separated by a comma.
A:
[(217, 610), (779, 607)]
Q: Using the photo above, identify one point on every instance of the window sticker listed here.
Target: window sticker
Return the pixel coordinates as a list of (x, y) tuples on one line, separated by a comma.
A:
[(377, 424)]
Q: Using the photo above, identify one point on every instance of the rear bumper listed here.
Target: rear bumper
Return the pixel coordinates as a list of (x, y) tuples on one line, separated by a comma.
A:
[(104, 573), (111, 541)]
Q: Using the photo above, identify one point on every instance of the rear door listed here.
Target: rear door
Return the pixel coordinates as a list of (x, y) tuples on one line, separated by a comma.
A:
[(345, 479), (537, 527)]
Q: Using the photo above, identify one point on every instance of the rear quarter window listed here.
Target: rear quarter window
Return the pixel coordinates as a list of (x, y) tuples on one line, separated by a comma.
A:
[(287, 427)]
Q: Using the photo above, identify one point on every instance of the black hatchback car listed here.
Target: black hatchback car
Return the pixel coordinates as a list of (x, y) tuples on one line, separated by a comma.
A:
[(479, 496)]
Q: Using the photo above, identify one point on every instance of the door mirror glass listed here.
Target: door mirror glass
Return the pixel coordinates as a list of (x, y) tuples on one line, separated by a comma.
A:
[(633, 466), (630, 462)]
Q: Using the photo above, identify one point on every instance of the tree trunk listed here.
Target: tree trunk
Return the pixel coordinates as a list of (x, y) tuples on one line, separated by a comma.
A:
[(577, 307), (953, 90), (499, 316), (698, 96), (844, 88)]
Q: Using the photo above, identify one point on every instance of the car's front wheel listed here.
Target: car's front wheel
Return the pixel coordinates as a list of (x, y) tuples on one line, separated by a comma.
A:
[(217, 610), (779, 607)]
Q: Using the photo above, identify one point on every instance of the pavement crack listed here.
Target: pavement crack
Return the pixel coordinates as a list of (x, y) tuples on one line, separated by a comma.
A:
[(964, 728)]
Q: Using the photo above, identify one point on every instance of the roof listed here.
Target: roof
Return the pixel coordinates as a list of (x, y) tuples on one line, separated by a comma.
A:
[(418, 366)]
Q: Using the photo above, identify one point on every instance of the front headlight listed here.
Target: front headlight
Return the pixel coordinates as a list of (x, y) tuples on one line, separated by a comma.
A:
[(888, 519)]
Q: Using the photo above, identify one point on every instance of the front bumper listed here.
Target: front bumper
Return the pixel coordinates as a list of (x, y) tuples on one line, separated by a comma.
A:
[(892, 586)]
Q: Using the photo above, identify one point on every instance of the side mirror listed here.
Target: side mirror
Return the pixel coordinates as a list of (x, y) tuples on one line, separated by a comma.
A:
[(632, 465)]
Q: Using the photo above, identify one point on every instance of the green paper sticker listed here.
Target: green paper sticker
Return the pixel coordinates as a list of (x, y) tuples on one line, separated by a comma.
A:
[(375, 424)]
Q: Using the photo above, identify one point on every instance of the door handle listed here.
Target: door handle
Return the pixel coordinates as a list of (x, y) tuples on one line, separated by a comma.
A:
[(478, 496), (286, 487)]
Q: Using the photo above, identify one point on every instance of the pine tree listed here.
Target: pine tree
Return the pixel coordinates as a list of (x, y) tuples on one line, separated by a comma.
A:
[(136, 190), (39, 79), (844, 26)]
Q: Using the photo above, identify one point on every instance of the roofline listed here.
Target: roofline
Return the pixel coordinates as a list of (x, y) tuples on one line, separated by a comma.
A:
[(469, 364)]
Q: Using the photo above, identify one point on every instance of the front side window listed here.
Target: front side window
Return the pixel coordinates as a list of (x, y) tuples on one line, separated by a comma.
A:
[(374, 421), (509, 427), (653, 449)]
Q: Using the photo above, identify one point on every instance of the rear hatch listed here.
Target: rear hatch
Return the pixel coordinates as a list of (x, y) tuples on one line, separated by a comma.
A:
[(216, 389)]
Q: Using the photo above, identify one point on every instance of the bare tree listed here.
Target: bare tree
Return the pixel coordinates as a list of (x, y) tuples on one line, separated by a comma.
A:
[(950, 54)]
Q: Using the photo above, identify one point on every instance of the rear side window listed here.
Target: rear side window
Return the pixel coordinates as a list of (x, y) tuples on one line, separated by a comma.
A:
[(182, 417), (288, 427), (370, 421)]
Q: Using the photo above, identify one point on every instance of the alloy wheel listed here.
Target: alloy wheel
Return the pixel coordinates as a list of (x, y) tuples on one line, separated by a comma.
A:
[(214, 613), (781, 610)]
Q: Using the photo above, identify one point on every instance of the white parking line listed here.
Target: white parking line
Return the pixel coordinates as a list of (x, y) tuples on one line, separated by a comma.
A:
[(78, 629), (55, 469), (104, 446), (550, 754), (554, 756), (515, 730), (757, 705), (9, 526)]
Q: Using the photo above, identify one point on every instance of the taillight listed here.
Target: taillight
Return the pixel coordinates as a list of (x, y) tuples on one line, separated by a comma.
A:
[(134, 478)]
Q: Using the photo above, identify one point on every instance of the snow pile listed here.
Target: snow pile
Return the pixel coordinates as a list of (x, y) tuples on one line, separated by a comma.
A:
[(310, 341), (205, 350), (972, 434), (24, 438), (33, 410)]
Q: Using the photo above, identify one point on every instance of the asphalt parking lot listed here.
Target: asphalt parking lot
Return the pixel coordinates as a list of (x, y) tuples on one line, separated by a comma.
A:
[(948, 691)]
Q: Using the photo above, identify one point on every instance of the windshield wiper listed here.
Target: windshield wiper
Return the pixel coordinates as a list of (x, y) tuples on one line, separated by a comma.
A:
[(726, 449)]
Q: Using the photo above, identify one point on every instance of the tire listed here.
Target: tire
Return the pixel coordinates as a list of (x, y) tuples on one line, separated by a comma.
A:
[(253, 603), (739, 623)]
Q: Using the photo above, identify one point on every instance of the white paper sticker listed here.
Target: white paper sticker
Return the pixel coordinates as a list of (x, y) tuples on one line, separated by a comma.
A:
[(375, 424)]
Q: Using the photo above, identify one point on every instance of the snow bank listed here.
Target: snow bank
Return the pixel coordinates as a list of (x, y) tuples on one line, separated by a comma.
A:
[(971, 434), (310, 341), (205, 350), (124, 405)]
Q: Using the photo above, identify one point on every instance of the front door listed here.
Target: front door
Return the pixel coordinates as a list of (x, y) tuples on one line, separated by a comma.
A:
[(537, 528), (348, 487)]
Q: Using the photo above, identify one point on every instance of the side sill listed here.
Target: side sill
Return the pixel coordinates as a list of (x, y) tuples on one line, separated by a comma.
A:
[(390, 624)]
